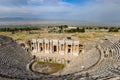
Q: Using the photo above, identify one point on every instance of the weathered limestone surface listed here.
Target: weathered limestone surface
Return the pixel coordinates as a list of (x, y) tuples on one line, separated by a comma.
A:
[(14, 60)]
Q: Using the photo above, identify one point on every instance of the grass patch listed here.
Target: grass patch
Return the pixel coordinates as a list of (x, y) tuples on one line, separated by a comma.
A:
[(47, 67)]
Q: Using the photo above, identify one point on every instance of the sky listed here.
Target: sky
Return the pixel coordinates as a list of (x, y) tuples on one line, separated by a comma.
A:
[(103, 11)]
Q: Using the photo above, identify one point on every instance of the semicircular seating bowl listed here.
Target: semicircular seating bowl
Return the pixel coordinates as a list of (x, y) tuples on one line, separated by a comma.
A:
[(104, 67), (13, 61)]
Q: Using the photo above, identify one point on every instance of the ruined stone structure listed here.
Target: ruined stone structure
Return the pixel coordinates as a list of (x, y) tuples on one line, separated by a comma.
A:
[(40, 47), (100, 63), (61, 47)]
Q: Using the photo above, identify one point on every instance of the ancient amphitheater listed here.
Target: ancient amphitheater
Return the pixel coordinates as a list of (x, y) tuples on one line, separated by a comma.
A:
[(100, 61)]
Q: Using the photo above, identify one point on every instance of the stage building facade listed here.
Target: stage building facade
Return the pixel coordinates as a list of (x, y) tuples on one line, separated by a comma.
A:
[(52, 47)]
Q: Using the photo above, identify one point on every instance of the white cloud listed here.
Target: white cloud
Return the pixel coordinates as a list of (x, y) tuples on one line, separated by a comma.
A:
[(92, 11), (43, 1)]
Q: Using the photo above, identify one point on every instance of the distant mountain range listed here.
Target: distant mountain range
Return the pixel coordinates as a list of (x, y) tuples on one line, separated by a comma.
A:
[(31, 20), (18, 19)]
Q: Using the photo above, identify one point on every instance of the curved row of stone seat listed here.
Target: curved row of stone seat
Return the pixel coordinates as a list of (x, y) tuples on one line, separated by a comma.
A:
[(5, 40), (115, 70), (111, 48), (114, 51), (105, 44), (13, 61), (63, 77), (101, 69), (83, 62), (12, 50)]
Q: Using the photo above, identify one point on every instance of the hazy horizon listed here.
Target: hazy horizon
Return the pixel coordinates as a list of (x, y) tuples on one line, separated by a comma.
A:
[(57, 23), (86, 11)]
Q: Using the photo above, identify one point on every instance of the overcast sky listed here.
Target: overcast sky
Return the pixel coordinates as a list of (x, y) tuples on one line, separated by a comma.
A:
[(67, 10)]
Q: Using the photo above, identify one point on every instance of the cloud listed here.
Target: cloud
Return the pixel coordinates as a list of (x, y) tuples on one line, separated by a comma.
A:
[(104, 11), (43, 1), (109, 11), (27, 2), (13, 2)]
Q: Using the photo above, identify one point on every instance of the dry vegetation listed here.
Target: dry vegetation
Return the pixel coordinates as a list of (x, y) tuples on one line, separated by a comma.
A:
[(89, 35)]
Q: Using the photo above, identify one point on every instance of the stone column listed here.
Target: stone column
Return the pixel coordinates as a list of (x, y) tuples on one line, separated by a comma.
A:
[(58, 47), (66, 48), (72, 48), (78, 50), (35, 47), (38, 46), (43, 46), (51, 47)]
